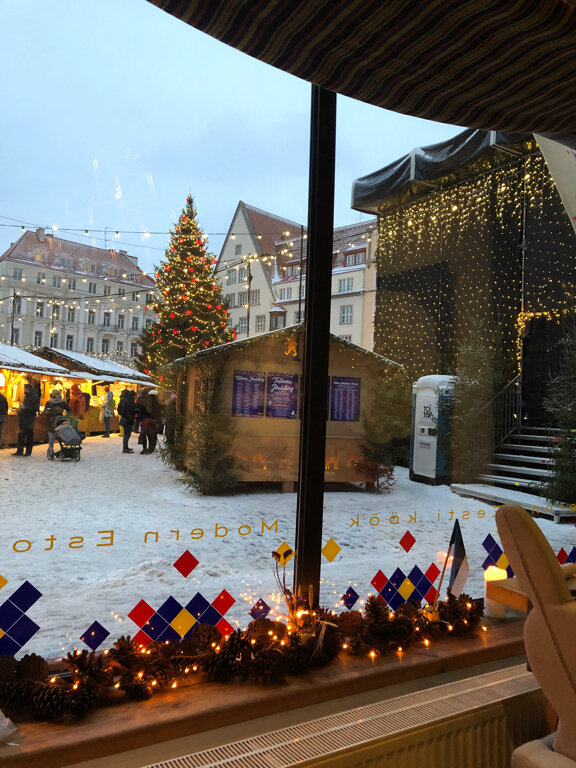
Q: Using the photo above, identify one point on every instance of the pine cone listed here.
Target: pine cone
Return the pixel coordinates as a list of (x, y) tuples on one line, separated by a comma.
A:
[(202, 638), (227, 663), (81, 700), (16, 696), (139, 690), (7, 668), (32, 667), (125, 653), (109, 697), (160, 672), (51, 702), (266, 628), (350, 623)]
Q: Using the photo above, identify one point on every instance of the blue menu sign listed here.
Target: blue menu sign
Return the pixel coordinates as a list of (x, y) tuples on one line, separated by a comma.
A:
[(248, 393), (345, 399), (282, 396)]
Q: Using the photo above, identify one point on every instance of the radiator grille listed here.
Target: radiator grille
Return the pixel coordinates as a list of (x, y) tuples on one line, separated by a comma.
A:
[(425, 728)]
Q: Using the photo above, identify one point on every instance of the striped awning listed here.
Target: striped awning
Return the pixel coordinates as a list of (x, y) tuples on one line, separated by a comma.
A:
[(508, 65)]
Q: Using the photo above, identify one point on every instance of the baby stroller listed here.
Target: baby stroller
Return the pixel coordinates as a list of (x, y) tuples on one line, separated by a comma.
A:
[(69, 439)]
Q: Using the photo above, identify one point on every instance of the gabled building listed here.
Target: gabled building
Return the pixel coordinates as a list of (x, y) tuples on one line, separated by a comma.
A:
[(60, 293), (262, 268)]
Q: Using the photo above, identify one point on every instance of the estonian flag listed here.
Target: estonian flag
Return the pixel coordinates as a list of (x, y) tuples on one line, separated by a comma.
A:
[(460, 568)]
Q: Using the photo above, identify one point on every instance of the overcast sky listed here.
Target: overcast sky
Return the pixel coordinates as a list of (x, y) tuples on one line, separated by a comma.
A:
[(112, 110)]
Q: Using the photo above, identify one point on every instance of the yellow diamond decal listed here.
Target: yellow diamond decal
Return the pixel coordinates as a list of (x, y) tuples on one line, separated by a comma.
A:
[(285, 558), (2, 633), (3, 581), (330, 550), (183, 622), (502, 562), (406, 589)]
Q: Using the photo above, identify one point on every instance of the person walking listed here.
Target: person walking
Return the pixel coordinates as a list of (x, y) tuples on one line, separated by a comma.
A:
[(77, 402), (3, 413), (107, 410), (55, 407), (26, 418), (148, 413), (127, 413)]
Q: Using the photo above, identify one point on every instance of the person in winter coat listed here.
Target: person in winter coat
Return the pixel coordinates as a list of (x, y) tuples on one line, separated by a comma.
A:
[(148, 413), (26, 418), (77, 402), (170, 418), (55, 407), (107, 410), (127, 413), (3, 413)]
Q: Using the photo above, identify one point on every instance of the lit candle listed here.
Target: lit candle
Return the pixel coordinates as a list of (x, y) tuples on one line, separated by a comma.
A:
[(492, 608)]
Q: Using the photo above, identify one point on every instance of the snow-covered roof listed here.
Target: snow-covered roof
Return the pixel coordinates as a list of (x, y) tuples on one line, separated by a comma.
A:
[(16, 359), (100, 366)]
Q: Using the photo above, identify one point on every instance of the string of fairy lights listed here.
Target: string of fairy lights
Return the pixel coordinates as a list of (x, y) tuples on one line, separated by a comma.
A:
[(498, 246)]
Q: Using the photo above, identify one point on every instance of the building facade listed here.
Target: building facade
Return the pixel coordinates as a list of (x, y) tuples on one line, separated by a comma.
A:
[(262, 269), (63, 294)]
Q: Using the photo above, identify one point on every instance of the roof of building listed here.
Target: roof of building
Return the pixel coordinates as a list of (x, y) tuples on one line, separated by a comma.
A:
[(77, 361), (16, 359), (46, 250), (269, 228)]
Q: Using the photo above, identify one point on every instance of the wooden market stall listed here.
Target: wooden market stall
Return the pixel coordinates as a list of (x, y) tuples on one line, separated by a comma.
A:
[(261, 393), (93, 374)]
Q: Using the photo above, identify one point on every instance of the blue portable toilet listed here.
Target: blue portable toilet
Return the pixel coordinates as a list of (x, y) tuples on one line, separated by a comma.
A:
[(429, 455)]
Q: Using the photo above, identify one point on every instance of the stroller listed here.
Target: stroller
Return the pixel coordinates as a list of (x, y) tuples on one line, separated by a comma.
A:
[(70, 441)]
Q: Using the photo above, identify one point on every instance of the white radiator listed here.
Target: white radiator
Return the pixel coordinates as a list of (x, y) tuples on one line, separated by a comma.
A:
[(471, 723)]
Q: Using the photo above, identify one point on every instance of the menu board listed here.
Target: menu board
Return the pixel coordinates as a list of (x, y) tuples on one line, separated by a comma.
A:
[(345, 399), (248, 393), (282, 396)]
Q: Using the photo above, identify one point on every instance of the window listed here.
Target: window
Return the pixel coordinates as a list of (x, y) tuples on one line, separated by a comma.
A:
[(67, 262), (56, 281), (89, 344), (106, 321), (121, 322), (299, 317), (350, 259), (243, 273), (90, 268), (346, 338), (255, 297), (54, 340), (243, 325), (238, 249), (17, 274), (92, 288), (231, 277), (135, 296), (285, 294), (39, 308), (149, 322), (149, 298), (40, 277), (55, 311), (260, 323), (122, 292), (303, 291), (91, 317), (243, 298), (69, 342), (16, 336), (288, 271), (345, 285), (107, 290), (39, 256), (119, 346), (112, 271), (72, 283), (17, 304), (361, 257), (105, 345), (230, 299), (133, 349), (71, 314), (37, 338), (346, 314), (134, 323), (277, 321)]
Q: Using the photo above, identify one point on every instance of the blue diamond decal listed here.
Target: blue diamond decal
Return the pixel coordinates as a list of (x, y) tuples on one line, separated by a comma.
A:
[(349, 598), (95, 635), (259, 610)]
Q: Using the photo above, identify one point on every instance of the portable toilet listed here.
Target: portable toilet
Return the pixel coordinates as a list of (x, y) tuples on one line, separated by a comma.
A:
[(429, 455)]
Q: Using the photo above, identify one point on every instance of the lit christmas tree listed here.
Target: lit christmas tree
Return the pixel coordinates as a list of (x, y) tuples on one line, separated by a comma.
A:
[(191, 312)]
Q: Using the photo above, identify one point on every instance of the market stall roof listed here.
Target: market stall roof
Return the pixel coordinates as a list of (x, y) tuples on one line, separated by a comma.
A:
[(506, 65), (97, 367), (436, 166), (16, 359)]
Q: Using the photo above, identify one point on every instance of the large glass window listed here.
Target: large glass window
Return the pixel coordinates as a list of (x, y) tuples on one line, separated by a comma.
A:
[(346, 314)]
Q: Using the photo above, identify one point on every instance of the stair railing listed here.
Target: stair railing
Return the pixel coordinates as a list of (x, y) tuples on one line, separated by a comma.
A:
[(502, 415)]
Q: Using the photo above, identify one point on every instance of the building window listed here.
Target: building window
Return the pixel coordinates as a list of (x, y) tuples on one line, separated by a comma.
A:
[(56, 281), (54, 340), (149, 298), (229, 322), (90, 268), (134, 323), (55, 311), (255, 297), (106, 321), (260, 323), (243, 325), (91, 317), (149, 322), (231, 277), (350, 259), (89, 344), (238, 249), (243, 298), (69, 342), (346, 338), (17, 274), (105, 346), (303, 291), (92, 288), (133, 349), (243, 274), (37, 338), (121, 292), (39, 308), (230, 299), (17, 304), (361, 257), (71, 314), (346, 314), (16, 336), (285, 294), (72, 283), (107, 290), (299, 317), (277, 321), (120, 322), (67, 262), (288, 271), (135, 296), (345, 285), (40, 277), (119, 346)]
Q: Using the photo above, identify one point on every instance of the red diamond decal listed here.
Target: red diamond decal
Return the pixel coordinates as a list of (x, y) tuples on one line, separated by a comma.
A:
[(562, 556), (223, 602), (407, 541), (141, 613), (430, 596), (432, 573), (379, 581), (141, 638), (186, 563), (225, 628)]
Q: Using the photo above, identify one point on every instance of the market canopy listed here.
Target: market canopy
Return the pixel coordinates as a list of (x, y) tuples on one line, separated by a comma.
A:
[(16, 359), (495, 64), (94, 367)]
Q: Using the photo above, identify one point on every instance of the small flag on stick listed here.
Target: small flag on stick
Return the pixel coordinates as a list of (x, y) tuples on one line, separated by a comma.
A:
[(460, 567)]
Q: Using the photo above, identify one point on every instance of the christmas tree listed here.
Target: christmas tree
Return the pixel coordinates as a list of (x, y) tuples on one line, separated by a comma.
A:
[(191, 312)]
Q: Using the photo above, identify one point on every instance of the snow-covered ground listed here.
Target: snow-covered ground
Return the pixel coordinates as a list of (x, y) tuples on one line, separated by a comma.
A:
[(97, 536)]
